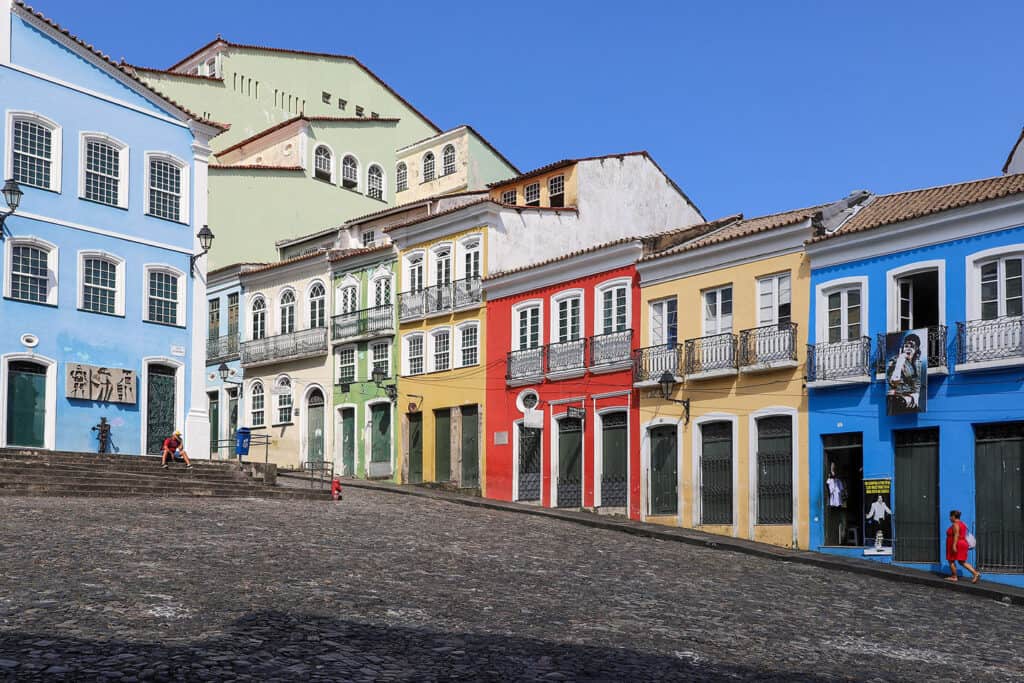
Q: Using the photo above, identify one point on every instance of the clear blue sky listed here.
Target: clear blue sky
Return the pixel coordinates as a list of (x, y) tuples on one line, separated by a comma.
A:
[(750, 106)]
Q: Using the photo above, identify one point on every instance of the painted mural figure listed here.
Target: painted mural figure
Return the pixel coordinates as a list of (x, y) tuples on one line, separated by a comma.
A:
[(103, 385), (80, 382), (904, 375)]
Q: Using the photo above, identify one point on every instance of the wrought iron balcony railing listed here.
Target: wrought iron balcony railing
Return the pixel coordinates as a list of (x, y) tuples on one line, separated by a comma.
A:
[(610, 348), (990, 341), (711, 353), (222, 348), (525, 364), (936, 349), (767, 345), (828, 361), (651, 362), (439, 298), (285, 346), (566, 356), (368, 321)]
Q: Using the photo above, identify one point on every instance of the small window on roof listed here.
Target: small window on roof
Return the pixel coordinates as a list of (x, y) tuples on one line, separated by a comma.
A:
[(326, 97), (532, 194), (374, 115), (508, 197), (556, 190), (342, 104), (359, 110)]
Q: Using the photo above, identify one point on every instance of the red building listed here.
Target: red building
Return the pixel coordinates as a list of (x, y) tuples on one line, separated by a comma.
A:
[(562, 414)]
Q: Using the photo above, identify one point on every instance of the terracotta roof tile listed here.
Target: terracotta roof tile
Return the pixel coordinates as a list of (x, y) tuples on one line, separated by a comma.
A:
[(475, 132), (420, 219), (287, 262), (302, 117), (179, 74), (904, 206), (254, 167), (345, 253)]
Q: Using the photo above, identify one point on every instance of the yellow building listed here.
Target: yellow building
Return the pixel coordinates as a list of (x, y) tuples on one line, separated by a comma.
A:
[(724, 337)]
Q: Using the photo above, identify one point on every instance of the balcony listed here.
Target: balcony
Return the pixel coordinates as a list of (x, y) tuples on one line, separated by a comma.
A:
[(766, 348), (611, 351), (221, 349), (303, 344), (525, 366), (369, 322), (650, 363), (937, 361), (439, 299), (839, 363), (565, 359), (989, 344), (711, 356)]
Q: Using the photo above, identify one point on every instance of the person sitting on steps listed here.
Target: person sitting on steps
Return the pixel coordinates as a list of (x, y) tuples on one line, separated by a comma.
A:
[(173, 447)]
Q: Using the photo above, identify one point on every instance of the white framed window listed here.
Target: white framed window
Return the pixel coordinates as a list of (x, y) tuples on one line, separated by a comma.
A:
[(508, 197), (414, 271), (448, 159), (470, 248), (164, 289), (33, 155), (401, 177), (317, 305), (467, 338), (256, 405), (283, 400), (774, 299), (369, 237), (286, 312), (259, 318), (526, 325), (101, 283), (30, 267), (103, 170), (350, 172), (375, 182), (556, 190), (382, 291), (348, 299), (346, 356), (167, 187), (843, 314), (414, 353), (717, 310), (323, 163), (614, 307), (568, 314), (428, 166), (664, 322), (440, 350), (531, 193), (380, 357), (1000, 287), (443, 265)]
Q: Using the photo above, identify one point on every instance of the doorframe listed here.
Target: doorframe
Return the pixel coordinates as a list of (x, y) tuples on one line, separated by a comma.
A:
[(368, 434), (179, 394), (752, 441), (339, 436), (304, 421), (698, 450), (215, 453), (598, 436), (892, 292), (645, 465), (516, 426), (50, 418)]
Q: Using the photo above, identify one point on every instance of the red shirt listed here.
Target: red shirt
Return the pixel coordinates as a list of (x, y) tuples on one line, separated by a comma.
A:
[(171, 444)]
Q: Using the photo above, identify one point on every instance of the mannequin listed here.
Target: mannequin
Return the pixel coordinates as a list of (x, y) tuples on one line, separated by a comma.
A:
[(837, 500)]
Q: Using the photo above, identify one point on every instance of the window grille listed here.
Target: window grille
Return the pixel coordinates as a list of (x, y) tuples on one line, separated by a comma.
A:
[(375, 183), (716, 473), (163, 298), (164, 190), (29, 274), (317, 304), (508, 197), (556, 191), (428, 166), (448, 159), (402, 178), (102, 172), (532, 194), (33, 154), (100, 291), (775, 470), (257, 405), (349, 172), (322, 163)]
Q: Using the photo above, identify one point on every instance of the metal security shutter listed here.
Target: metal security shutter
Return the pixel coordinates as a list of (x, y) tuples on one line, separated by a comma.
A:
[(415, 448), (664, 471), (529, 463), (775, 470), (614, 451), (716, 473), (916, 508), (443, 445), (570, 463), (999, 483)]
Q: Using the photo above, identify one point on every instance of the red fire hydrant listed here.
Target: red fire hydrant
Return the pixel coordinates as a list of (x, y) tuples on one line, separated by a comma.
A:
[(336, 489)]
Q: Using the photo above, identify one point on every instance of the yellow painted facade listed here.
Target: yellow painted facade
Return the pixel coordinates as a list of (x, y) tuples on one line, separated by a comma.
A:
[(460, 389), (569, 176), (739, 399)]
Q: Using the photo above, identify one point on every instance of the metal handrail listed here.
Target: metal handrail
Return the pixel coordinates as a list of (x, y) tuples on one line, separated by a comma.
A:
[(323, 468), (282, 346), (364, 321), (610, 347), (986, 340), (254, 440), (711, 352), (566, 355), (525, 363), (222, 348), (838, 360), (651, 362), (439, 298), (767, 343)]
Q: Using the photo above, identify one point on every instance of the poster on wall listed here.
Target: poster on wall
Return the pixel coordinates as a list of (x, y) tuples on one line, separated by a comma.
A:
[(906, 371), (878, 516)]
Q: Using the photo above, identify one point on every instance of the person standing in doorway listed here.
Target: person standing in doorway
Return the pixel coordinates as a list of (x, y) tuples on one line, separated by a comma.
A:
[(173, 447), (956, 548)]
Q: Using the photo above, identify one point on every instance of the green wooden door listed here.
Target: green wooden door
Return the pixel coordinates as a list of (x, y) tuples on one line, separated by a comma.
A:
[(614, 451), (160, 402), (664, 471), (348, 441), (529, 463), (315, 427), (716, 473), (26, 404), (916, 504), (999, 481), (214, 424), (470, 447), (443, 445), (570, 463), (380, 437), (415, 448)]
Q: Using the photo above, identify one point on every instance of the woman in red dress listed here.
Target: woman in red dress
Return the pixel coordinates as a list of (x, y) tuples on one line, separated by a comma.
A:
[(956, 547)]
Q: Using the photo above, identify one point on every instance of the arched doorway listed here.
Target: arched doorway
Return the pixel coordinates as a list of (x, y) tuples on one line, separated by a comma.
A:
[(315, 426), (161, 404)]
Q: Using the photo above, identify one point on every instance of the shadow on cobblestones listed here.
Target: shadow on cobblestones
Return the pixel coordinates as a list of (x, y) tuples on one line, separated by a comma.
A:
[(277, 645)]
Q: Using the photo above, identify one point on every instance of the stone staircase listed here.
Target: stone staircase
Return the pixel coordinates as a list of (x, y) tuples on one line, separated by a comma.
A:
[(31, 472)]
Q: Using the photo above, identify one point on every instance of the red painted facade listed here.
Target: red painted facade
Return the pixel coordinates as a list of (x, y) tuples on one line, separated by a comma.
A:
[(597, 389)]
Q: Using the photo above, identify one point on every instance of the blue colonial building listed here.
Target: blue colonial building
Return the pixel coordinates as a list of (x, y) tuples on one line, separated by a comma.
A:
[(101, 292), (900, 436)]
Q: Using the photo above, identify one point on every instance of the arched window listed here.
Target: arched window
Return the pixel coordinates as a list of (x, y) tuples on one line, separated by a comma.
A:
[(323, 166), (375, 182), (349, 172), (288, 312), (259, 319), (348, 299), (382, 291), (448, 158), (428, 166), (283, 391), (443, 266), (316, 306), (256, 404), (401, 178)]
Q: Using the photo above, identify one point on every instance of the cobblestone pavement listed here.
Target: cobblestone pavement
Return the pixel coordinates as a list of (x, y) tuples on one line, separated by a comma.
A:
[(390, 587)]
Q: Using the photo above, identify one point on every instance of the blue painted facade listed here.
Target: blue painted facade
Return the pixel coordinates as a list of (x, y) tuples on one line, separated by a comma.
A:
[(44, 76), (958, 402)]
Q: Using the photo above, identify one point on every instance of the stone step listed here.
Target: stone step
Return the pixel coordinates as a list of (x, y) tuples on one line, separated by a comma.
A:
[(94, 458), (100, 491), (115, 480), (9, 468)]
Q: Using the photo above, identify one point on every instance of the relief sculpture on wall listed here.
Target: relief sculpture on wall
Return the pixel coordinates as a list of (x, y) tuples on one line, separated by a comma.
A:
[(95, 383)]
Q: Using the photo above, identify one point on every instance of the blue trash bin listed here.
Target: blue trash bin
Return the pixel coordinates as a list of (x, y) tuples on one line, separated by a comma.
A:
[(242, 440)]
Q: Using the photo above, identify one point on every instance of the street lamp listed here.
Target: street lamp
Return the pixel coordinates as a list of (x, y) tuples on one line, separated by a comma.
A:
[(205, 241), (224, 371), (12, 195), (378, 376), (667, 381)]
